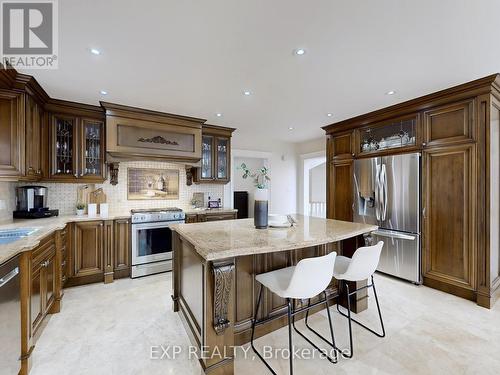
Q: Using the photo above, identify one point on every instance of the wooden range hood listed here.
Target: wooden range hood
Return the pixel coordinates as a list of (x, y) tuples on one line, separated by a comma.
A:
[(140, 134)]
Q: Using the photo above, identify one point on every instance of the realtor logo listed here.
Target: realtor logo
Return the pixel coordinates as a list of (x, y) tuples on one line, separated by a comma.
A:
[(29, 34)]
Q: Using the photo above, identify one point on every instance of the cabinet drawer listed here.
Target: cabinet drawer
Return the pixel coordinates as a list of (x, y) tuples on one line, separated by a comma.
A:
[(43, 252), (219, 217)]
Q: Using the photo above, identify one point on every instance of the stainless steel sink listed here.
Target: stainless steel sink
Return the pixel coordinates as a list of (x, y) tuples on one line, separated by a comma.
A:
[(11, 235)]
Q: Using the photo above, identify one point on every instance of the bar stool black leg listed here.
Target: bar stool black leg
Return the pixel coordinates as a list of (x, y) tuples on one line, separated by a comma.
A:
[(332, 344), (253, 331), (348, 316), (290, 344), (379, 313)]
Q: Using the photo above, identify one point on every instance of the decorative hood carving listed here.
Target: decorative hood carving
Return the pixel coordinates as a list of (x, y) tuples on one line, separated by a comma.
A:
[(140, 134)]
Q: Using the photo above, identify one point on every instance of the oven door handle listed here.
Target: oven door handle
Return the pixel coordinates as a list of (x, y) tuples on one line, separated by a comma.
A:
[(159, 224)]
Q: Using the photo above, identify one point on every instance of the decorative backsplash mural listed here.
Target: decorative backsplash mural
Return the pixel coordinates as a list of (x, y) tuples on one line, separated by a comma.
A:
[(147, 183)]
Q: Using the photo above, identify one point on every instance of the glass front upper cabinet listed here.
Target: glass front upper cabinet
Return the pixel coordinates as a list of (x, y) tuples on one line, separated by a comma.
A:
[(207, 161), (222, 158), (77, 149), (393, 134), (64, 162), (92, 148)]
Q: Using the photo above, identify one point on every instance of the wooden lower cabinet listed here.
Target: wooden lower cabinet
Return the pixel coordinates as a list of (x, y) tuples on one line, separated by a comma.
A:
[(99, 251), (210, 216), (43, 282), (41, 291), (87, 253), (122, 250), (448, 191)]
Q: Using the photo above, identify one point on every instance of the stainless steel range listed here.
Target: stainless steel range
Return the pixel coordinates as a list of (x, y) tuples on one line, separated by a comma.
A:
[(152, 239)]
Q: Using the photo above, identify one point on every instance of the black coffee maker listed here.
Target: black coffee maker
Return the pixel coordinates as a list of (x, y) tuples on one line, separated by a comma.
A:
[(31, 203)]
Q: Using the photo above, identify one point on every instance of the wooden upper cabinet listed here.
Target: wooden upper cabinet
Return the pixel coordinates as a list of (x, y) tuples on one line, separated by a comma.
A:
[(342, 146), (340, 190), (11, 136), (77, 149), (450, 123), (215, 156), (448, 194), (88, 249), (35, 123)]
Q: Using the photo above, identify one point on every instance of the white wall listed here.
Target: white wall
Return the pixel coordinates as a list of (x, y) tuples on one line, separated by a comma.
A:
[(317, 183), (309, 154), (241, 184), (282, 159)]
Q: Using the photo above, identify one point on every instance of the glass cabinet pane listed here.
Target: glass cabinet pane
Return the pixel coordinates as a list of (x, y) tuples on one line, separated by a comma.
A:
[(64, 152), (92, 158), (207, 145), (222, 157), (392, 135)]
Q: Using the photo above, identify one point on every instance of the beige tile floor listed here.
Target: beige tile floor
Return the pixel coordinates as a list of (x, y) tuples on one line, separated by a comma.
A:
[(110, 329)]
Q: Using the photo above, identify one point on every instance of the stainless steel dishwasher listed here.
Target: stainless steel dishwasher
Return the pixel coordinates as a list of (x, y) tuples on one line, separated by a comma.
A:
[(10, 317)]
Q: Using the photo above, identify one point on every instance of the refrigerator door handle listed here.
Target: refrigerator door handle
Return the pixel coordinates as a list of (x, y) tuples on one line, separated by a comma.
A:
[(377, 193), (383, 186), (392, 234)]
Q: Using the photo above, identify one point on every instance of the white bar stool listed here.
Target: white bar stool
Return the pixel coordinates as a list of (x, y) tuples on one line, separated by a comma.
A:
[(360, 267), (306, 280)]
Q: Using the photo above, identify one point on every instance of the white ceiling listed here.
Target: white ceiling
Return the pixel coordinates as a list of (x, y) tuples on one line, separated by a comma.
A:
[(197, 57)]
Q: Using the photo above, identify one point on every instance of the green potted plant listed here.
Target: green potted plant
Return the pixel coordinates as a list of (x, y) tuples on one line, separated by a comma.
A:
[(261, 195), (80, 209)]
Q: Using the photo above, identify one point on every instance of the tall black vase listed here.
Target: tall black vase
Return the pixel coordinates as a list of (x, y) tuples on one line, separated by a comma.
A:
[(260, 214), (260, 208)]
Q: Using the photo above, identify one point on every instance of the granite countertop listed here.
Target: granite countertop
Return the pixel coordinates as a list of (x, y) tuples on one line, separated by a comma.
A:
[(49, 225), (45, 227), (224, 239)]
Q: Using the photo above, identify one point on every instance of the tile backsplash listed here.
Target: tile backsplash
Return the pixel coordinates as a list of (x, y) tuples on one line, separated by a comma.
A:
[(7, 200), (63, 196)]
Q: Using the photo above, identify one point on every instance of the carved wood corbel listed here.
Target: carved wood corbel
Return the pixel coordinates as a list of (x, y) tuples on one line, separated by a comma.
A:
[(113, 173), (223, 279), (189, 175)]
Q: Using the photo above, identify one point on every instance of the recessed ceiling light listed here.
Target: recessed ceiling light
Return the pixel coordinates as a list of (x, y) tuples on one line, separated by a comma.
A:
[(300, 51), (290, 128), (104, 92), (218, 114), (329, 114), (392, 92), (95, 51), (246, 93)]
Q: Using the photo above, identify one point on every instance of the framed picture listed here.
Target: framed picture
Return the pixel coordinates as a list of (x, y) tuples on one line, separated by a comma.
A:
[(151, 184)]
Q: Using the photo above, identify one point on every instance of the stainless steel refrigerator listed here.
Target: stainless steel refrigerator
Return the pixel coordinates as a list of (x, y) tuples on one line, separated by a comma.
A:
[(387, 194)]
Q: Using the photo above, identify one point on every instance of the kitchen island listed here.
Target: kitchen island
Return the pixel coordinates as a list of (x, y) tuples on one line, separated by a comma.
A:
[(214, 268)]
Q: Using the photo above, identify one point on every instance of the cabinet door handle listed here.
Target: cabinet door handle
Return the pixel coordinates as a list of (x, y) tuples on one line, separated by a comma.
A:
[(423, 213), (424, 144)]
